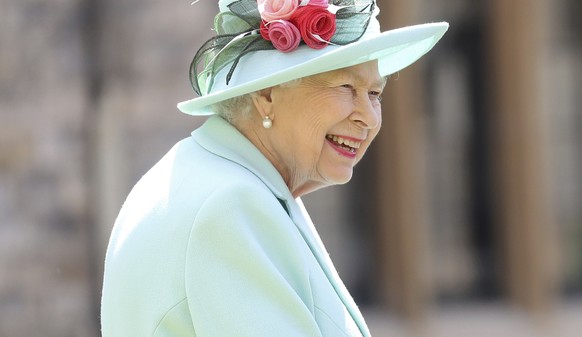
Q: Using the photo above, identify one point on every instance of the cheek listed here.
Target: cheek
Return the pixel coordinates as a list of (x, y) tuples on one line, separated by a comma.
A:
[(374, 132), (321, 114), (371, 136)]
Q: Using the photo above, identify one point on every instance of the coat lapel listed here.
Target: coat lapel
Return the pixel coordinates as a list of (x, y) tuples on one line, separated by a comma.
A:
[(303, 221), (222, 139)]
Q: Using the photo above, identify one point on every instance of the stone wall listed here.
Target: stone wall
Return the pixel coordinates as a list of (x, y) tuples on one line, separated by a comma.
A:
[(85, 88)]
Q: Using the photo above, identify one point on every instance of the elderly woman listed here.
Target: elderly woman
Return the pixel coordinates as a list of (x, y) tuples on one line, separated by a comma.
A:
[(214, 241)]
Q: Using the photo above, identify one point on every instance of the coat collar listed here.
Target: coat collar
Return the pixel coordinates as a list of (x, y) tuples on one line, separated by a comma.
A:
[(224, 140)]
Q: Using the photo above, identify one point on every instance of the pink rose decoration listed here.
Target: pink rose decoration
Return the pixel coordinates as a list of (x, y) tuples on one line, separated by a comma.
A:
[(264, 31), (283, 35), (316, 24), (277, 9), (321, 3)]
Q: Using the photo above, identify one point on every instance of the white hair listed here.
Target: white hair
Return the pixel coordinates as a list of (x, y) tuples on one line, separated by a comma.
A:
[(242, 106), (233, 108)]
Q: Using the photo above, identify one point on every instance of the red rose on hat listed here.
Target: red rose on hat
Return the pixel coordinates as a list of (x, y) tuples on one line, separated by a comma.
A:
[(316, 24)]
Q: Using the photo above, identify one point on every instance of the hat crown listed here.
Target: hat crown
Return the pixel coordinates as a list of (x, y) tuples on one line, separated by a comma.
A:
[(245, 27)]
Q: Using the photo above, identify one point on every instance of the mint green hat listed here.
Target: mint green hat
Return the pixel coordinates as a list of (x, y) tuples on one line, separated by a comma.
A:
[(241, 58)]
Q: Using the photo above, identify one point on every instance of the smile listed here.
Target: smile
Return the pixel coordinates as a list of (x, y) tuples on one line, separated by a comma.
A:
[(346, 144)]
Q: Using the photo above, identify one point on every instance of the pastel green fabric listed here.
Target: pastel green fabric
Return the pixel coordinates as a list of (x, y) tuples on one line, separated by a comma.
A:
[(210, 243)]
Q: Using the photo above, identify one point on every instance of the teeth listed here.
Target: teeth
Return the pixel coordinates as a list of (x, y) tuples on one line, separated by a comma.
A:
[(343, 141)]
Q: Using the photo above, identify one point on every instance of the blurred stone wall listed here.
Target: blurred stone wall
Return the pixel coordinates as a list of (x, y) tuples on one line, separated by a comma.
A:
[(43, 264), (85, 87)]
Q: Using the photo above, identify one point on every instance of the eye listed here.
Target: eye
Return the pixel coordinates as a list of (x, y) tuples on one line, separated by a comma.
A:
[(375, 95), (347, 89)]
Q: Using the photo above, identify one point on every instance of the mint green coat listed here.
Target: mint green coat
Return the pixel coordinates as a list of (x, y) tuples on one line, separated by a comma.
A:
[(210, 243)]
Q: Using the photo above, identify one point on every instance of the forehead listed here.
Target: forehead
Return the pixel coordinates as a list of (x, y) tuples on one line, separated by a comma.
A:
[(365, 74)]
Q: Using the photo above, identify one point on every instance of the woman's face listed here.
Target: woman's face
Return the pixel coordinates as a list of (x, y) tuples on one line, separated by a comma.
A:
[(323, 125)]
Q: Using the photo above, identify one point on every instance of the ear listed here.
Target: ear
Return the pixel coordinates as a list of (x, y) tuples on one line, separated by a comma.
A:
[(263, 102)]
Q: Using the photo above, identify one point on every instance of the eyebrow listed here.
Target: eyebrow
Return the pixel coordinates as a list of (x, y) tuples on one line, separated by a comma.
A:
[(379, 81)]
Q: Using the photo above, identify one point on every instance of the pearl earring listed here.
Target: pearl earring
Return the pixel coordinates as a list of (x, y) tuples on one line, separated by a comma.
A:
[(267, 122)]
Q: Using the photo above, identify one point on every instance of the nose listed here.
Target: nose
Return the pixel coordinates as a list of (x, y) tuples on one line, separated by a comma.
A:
[(367, 112)]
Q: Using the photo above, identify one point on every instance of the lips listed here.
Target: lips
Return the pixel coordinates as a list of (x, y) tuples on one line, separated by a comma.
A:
[(346, 144)]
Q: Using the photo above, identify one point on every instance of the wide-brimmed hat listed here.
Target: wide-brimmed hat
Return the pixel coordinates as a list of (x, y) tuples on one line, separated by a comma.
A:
[(260, 44)]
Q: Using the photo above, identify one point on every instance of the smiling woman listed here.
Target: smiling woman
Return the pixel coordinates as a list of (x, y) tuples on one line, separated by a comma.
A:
[(214, 240), (329, 119)]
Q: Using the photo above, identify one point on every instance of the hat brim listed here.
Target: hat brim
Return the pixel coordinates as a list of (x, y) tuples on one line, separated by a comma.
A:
[(394, 50)]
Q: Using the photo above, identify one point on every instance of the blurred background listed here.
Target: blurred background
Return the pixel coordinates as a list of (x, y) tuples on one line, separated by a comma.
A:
[(464, 220)]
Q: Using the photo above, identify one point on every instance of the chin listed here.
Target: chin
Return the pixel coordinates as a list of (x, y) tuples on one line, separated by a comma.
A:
[(340, 179)]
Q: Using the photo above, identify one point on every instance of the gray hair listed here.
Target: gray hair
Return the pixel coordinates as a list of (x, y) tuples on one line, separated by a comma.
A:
[(233, 108), (237, 107)]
